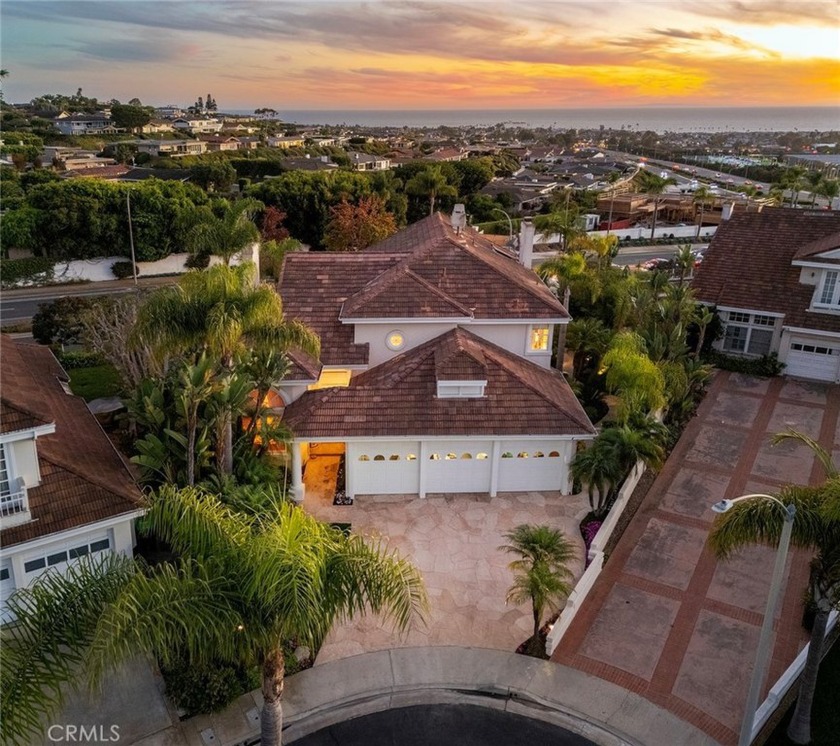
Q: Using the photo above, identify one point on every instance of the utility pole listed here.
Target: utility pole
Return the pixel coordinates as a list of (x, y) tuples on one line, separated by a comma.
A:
[(131, 234)]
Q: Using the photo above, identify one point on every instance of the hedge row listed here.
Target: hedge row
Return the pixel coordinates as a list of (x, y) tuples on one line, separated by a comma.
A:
[(15, 271), (766, 366), (81, 359)]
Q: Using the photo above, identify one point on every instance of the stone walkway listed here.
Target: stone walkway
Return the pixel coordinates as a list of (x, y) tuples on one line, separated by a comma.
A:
[(666, 619), (453, 540)]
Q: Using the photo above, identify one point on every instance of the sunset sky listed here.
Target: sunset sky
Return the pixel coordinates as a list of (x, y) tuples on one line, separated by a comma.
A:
[(344, 54)]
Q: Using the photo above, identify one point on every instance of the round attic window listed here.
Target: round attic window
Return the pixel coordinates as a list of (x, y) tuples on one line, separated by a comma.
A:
[(395, 340)]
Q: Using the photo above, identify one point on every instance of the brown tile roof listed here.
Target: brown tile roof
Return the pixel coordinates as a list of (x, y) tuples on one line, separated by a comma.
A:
[(425, 271), (303, 367), (399, 397), (15, 418), (455, 363), (84, 479), (748, 264), (313, 287), (826, 243)]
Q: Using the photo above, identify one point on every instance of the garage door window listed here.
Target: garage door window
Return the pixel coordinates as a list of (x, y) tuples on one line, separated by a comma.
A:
[(813, 349), (750, 334)]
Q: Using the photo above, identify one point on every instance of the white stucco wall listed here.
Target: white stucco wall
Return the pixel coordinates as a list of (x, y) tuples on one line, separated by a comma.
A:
[(512, 337)]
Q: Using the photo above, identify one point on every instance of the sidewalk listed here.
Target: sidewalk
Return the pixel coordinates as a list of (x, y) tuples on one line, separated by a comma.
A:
[(89, 288)]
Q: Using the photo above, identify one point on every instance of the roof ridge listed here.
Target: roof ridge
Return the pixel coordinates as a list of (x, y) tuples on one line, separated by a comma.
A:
[(73, 469), (440, 293)]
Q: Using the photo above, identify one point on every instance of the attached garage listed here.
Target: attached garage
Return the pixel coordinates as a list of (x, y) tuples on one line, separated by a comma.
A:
[(814, 359), (383, 468), (531, 465), (458, 466)]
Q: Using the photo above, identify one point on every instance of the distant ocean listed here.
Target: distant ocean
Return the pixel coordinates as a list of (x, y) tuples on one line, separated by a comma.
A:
[(664, 119)]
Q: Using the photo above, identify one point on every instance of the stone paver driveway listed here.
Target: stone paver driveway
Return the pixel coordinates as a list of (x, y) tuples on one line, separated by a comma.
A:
[(665, 619), (453, 540)]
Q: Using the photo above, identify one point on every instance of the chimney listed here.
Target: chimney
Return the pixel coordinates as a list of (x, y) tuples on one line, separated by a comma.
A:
[(726, 211), (458, 218), (526, 242)]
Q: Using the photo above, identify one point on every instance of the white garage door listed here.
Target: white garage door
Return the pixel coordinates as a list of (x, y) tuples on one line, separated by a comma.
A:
[(378, 468), (458, 466), (810, 359), (532, 465), (453, 466)]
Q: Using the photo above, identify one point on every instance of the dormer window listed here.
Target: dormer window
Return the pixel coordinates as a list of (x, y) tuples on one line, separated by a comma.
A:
[(461, 389), (538, 338)]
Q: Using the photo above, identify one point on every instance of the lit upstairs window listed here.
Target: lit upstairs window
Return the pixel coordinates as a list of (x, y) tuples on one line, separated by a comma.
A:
[(538, 339)]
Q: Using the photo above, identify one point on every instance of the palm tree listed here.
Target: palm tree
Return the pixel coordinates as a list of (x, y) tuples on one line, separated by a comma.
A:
[(241, 587), (684, 262), (655, 185), (814, 179), (225, 234), (219, 311), (588, 339), (430, 183), (816, 528), (559, 272), (702, 195), (828, 188), (541, 573), (197, 385), (703, 317)]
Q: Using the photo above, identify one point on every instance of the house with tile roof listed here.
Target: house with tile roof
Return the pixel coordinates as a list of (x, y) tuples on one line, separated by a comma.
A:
[(435, 373), (65, 492), (774, 277)]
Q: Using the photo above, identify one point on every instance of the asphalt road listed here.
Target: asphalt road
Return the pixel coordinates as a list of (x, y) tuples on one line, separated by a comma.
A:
[(443, 725), (17, 306)]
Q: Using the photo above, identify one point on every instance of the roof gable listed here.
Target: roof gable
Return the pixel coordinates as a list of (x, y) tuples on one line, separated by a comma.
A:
[(399, 397), (749, 264)]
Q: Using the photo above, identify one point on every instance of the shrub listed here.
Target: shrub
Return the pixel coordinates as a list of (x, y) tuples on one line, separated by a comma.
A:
[(204, 689), (26, 271), (198, 261), (79, 359), (765, 366), (61, 320), (122, 270)]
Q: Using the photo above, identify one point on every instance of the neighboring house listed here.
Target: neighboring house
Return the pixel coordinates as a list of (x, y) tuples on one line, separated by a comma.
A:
[(169, 112), (774, 277), (448, 155), (173, 148), (85, 124), (197, 126), (285, 142), (366, 162), (435, 370), (216, 143), (155, 126), (249, 143), (64, 490)]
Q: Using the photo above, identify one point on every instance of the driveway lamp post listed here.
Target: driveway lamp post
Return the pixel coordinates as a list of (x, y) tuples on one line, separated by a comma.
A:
[(762, 657), (510, 222)]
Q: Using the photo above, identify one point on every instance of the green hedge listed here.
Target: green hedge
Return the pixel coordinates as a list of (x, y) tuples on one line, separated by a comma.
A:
[(122, 270), (766, 366), (13, 271), (82, 359)]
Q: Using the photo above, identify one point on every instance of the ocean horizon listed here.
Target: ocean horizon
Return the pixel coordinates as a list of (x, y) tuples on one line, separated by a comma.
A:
[(659, 119)]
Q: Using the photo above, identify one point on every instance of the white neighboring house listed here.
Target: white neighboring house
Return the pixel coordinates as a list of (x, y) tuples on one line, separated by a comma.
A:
[(774, 277), (367, 162), (198, 125), (435, 373), (85, 124), (64, 490)]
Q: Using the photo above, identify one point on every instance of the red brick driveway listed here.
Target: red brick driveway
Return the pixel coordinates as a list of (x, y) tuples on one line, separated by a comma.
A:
[(666, 619)]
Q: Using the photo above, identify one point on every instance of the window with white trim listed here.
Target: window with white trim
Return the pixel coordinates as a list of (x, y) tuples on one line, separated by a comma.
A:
[(13, 500), (748, 334), (829, 292), (62, 556), (538, 338), (460, 390)]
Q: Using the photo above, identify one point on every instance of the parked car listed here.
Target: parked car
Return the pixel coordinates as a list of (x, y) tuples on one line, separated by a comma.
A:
[(657, 264)]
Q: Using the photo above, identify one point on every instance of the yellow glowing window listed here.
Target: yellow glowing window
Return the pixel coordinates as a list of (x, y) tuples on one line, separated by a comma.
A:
[(411, 457), (539, 339), (378, 457), (394, 457), (332, 377), (466, 455), (434, 457), (451, 457), (363, 457), (395, 340), (481, 456)]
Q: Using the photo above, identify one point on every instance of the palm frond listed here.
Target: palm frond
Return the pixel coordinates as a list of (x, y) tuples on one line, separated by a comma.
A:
[(823, 456), (44, 648)]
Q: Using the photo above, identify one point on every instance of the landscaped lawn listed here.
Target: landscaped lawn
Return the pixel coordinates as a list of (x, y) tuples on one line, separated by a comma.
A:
[(96, 382), (825, 717)]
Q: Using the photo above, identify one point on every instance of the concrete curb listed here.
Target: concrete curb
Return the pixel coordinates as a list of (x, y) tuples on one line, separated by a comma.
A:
[(361, 685)]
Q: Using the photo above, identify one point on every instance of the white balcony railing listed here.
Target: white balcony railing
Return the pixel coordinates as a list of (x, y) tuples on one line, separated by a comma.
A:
[(13, 503)]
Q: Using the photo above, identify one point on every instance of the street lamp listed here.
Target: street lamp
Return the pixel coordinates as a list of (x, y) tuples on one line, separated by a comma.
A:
[(762, 657), (510, 222)]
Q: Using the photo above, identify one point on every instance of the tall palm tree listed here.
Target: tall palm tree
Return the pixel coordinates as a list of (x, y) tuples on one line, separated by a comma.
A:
[(816, 527), (828, 188), (814, 179), (541, 573), (559, 273), (684, 261), (702, 195), (431, 183), (242, 586), (219, 311), (224, 232), (655, 185)]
